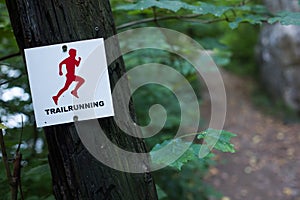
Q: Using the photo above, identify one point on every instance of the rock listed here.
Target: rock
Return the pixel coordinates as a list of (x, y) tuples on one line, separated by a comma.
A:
[(278, 53)]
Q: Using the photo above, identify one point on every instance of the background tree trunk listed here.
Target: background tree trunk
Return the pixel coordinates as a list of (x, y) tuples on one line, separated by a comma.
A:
[(76, 173), (279, 55)]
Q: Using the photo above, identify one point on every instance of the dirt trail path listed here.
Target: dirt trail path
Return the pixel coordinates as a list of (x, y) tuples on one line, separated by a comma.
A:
[(267, 163)]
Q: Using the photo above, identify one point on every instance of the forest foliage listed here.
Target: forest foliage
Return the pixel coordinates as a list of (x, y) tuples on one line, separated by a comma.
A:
[(229, 29)]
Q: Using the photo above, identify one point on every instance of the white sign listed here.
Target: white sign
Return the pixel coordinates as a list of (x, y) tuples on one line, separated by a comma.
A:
[(69, 82)]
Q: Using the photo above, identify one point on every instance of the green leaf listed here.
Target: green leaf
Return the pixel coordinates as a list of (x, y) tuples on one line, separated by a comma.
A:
[(252, 19), (286, 18), (41, 169), (212, 43), (222, 137), (174, 5), (206, 8), (257, 9), (145, 4), (174, 147), (185, 158), (190, 151), (50, 197), (221, 57), (2, 126), (160, 193)]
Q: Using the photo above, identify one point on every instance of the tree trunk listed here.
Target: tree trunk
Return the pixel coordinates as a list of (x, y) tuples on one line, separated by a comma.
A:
[(76, 173), (278, 55)]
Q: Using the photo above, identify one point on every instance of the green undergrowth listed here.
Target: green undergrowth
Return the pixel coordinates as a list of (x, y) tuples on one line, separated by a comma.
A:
[(274, 107)]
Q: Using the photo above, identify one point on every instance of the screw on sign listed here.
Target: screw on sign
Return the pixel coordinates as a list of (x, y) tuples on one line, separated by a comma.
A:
[(70, 63)]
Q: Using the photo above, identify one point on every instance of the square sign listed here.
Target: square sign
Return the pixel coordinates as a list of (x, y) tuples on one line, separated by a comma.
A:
[(69, 82)]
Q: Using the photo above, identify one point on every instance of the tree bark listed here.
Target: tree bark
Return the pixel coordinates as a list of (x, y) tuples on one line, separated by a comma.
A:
[(278, 52), (76, 173)]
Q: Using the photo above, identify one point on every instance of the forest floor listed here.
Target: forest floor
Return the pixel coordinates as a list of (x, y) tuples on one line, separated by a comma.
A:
[(266, 165)]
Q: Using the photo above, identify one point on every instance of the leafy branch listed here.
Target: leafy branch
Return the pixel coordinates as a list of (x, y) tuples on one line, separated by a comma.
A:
[(188, 18), (153, 19), (234, 15), (219, 137)]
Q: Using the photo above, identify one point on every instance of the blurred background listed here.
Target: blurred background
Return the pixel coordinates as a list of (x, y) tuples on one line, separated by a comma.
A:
[(256, 46)]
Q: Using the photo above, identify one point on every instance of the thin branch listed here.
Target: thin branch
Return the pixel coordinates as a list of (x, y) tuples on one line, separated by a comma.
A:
[(5, 161), (246, 2), (10, 56), (4, 156), (17, 167), (16, 177), (188, 18), (155, 16), (21, 135), (11, 80), (206, 21), (153, 19), (20, 159), (21, 190)]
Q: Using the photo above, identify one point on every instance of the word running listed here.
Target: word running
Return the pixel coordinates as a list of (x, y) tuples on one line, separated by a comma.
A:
[(69, 108)]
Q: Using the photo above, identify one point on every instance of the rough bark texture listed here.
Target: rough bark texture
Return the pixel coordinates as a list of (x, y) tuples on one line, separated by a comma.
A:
[(279, 56), (76, 173)]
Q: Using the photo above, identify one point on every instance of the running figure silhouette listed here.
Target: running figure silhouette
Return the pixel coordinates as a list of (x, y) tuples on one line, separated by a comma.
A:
[(70, 63)]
